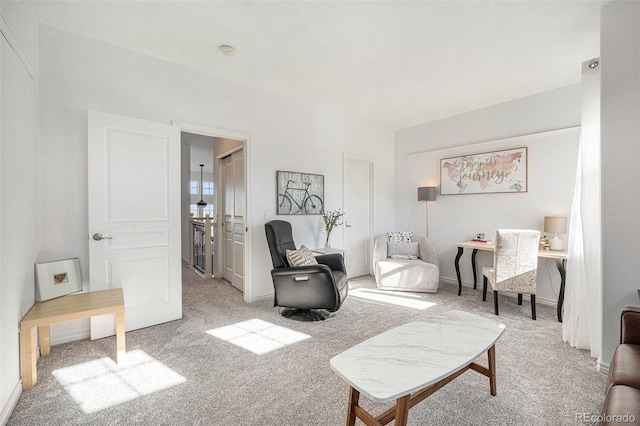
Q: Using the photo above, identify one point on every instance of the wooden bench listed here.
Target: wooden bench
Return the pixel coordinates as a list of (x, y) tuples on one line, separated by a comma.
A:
[(65, 308)]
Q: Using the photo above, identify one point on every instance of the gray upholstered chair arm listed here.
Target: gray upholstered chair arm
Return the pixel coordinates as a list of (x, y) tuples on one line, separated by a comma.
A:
[(302, 270), (334, 261), (428, 252), (380, 248)]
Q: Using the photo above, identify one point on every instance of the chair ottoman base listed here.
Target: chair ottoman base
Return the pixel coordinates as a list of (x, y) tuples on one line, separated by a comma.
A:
[(306, 314), (407, 275)]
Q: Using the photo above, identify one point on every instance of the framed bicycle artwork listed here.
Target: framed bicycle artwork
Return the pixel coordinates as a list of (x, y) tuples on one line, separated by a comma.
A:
[(299, 193)]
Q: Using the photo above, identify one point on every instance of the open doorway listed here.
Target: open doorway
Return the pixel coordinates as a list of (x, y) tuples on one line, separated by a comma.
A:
[(213, 185)]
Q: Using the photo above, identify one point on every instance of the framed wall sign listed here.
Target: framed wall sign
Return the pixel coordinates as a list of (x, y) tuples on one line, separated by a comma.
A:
[(299, 193), (488, 172), (55, 279)]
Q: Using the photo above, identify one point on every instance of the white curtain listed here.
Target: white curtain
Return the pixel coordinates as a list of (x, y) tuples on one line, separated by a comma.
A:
[(582, 321)]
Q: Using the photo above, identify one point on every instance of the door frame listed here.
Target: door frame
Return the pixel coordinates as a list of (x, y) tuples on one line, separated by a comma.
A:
[(372, 192), (245, 137)]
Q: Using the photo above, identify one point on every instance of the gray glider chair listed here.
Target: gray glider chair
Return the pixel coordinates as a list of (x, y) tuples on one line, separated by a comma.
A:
[(406, 266), (312, 291), (515, 266)]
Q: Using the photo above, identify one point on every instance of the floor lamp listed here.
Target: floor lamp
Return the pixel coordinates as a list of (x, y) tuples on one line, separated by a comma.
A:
[(427, 193)]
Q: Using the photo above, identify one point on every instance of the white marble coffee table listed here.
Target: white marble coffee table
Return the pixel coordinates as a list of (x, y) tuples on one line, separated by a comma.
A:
[(410, 362)]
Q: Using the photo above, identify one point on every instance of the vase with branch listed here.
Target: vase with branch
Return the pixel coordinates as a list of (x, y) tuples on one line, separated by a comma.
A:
[(331, 219)]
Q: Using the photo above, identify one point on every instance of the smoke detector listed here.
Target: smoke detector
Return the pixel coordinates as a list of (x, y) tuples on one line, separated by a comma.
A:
[(227, 50)]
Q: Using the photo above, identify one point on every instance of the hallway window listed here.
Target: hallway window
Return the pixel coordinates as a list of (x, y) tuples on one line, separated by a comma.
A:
[(207, 188)]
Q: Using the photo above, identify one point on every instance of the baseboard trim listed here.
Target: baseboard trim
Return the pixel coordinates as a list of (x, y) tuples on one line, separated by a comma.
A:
[(11, 403), (70, 337), (262, 298), (603, 368), (465, 284)]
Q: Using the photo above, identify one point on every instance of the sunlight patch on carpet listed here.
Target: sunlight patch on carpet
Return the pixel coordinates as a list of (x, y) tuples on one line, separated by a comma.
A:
[(258, 336), (409, 300), (100, 384)]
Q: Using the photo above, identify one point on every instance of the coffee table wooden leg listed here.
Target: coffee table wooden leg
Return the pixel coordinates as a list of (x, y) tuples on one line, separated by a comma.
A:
[(120, 342), (28, 366), (492, 369), (402, 410), (354, 397), (44, 333)]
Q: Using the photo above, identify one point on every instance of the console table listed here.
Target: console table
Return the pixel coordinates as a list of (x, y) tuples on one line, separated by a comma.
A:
[(65, 308), (327, 251), (559, 256), (411, 362)]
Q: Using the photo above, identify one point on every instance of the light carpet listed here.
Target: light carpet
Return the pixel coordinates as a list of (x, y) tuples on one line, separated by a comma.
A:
[(191, 372)]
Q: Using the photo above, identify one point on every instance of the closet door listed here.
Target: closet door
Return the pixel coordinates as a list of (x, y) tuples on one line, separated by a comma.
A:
[(234, 219)]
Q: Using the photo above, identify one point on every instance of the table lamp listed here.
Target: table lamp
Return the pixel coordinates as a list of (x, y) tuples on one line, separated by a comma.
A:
[(427, 193), (555, 225)]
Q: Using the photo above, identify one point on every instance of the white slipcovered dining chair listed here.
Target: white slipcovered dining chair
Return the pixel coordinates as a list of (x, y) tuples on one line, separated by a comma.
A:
[(515, 266)]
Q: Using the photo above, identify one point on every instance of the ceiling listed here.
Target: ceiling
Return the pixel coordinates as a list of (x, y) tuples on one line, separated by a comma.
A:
[(201, 151), (392, 63)]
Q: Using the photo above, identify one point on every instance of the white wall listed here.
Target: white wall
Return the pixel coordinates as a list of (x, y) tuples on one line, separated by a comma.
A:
[(620, 130), (80, 74), (454, 218), (19, 193)]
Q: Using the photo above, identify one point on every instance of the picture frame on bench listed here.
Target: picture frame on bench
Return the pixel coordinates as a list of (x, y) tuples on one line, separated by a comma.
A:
[(56, 279)]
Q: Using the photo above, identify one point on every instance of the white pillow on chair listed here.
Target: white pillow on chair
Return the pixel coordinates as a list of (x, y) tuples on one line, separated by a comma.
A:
[(403, 249), (301, 257)]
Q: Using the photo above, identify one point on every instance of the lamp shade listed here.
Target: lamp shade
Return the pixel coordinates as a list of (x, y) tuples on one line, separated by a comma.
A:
[(427, 193), (555, 224)]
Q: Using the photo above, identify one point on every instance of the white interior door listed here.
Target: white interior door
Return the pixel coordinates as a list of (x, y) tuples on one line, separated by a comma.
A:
[(234, 219), (358, 186), (134, 202)]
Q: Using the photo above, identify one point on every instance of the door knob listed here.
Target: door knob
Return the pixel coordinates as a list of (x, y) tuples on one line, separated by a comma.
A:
[(98, 237), (347, 225)]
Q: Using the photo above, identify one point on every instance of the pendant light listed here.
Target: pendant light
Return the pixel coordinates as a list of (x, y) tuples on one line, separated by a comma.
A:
[(201, 204)]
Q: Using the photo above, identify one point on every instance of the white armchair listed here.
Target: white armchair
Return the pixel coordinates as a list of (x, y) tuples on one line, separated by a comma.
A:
[(403, 272)]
